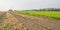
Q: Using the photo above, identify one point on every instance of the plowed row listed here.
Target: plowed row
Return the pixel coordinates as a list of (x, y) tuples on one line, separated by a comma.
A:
[(9, 22)]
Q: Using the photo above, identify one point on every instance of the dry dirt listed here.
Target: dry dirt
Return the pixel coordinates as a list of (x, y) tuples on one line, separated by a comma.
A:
[(26, 22), (15, 24)]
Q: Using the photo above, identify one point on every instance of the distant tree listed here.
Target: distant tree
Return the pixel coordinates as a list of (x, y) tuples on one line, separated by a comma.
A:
[(10, 10)]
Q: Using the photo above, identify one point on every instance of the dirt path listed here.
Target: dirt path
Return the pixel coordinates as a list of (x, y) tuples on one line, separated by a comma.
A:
[(38, 23), (11, 21)]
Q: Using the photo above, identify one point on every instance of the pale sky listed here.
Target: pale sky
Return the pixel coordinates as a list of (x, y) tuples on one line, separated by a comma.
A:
[(28, 4)]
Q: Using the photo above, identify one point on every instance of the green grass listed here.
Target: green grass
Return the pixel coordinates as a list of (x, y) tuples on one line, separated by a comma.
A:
[(8, 27), (50, 14)]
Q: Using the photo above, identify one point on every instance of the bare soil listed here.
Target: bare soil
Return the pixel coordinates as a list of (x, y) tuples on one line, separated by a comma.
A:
[(15, 24)]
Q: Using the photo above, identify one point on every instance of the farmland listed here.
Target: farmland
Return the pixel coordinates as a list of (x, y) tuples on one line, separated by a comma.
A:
[(49, 14), (28, 21)]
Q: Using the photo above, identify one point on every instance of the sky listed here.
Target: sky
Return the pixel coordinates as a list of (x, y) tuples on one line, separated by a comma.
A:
[(28, 4)]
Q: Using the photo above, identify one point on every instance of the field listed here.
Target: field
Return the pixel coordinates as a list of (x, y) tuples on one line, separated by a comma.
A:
[(50, 14), (20, 21)]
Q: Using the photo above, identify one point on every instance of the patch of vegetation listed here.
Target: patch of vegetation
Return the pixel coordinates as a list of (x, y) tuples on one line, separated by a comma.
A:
[(50, 14), (8, 27)]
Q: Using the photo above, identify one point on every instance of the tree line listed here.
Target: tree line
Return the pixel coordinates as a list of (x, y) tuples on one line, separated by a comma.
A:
[(44, 9)]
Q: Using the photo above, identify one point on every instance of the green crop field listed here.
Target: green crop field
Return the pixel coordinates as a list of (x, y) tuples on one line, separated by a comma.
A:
[(50, 14)]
